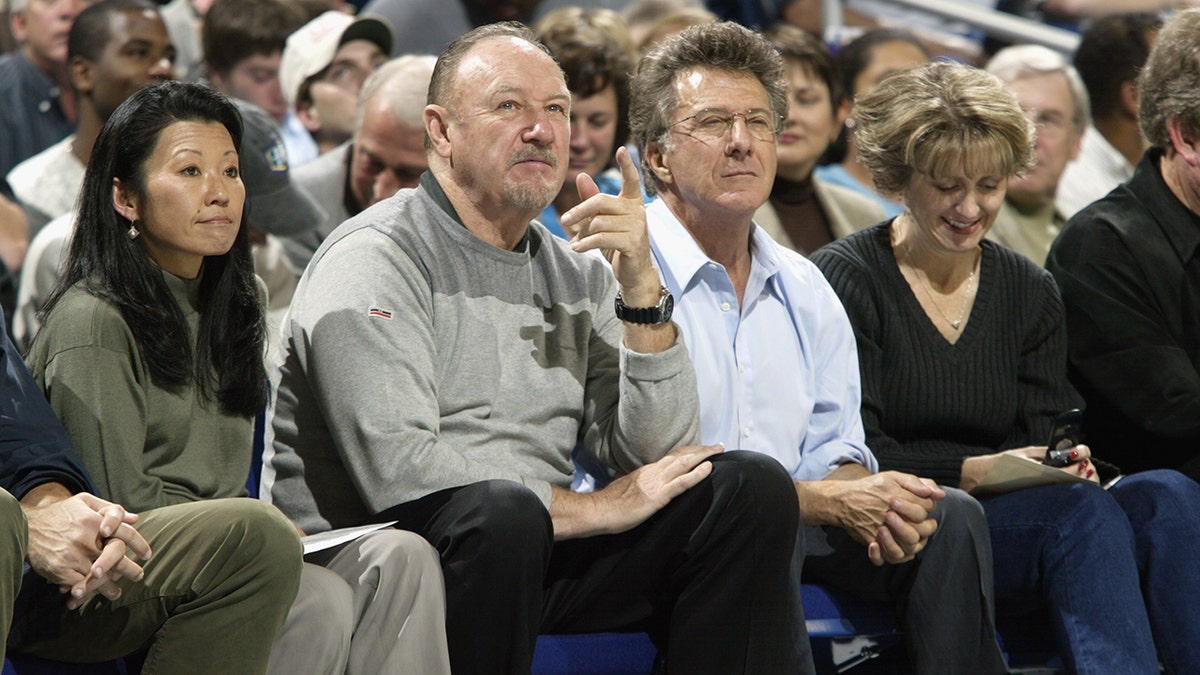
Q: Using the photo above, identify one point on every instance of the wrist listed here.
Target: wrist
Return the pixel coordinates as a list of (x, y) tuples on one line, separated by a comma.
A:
[(44, 495)]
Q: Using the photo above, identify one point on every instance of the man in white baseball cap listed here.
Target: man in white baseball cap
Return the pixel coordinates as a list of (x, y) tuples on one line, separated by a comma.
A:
[(323, 68)]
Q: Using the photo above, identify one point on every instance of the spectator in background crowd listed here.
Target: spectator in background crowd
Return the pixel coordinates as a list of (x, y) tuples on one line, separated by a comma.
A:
[(184, 19), (1050, 92), (386, 154), (1111, 52), (115, 48), (1127, 268), (244, 41), (323, 68), (865, 62), (593, 49), (37, 102), (804, 212)]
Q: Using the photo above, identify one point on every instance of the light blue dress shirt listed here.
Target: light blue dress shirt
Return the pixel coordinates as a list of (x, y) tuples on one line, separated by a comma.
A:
[(779, 375)]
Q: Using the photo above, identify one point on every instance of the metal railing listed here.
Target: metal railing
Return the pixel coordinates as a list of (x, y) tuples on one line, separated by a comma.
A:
[(994, 23)]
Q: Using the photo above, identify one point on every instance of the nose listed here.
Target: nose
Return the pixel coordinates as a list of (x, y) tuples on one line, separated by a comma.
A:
[(386, 184), (740, 139), (969, 206), (162, 69), (578, 137), (541, 128), (216, 189)]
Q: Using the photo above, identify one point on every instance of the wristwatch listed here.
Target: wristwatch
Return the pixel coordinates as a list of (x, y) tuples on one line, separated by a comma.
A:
[(660, 313)]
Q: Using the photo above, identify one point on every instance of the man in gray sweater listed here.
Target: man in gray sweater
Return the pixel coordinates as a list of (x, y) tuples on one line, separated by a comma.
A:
[(443, 357)]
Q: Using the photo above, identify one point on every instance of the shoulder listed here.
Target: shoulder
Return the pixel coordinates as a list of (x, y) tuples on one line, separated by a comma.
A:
[(861, 251), (859, 210), (80, 319), (1028, 283)]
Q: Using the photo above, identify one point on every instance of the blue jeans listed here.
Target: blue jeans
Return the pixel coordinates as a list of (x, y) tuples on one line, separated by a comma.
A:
[(1086, 554)]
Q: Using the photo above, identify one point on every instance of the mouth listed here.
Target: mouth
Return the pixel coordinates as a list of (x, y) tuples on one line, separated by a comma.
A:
[(963, 227), (788, 137)]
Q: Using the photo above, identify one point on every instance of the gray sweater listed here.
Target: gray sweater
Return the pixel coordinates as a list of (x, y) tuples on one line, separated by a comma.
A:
[(417, 358)]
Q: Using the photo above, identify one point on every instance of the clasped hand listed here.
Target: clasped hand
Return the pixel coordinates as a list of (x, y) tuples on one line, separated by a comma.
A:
[(80, 543), (890, 513)]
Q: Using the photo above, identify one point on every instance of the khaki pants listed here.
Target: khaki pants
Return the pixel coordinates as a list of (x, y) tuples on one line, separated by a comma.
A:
[(217, 588)]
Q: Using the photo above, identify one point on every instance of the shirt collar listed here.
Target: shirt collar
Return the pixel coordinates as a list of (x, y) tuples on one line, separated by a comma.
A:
[(1181, 226), (681, 259)]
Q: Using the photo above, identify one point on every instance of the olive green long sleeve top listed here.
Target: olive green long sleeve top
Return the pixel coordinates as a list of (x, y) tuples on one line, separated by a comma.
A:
[(145, 446)]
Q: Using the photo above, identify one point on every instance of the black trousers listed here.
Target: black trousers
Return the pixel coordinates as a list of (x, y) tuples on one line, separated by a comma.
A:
[(707, 576)]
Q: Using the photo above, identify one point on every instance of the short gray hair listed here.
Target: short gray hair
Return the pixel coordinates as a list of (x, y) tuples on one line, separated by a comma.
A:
[(403, 82), (1169, 84), (717, 46), (1014, 63)]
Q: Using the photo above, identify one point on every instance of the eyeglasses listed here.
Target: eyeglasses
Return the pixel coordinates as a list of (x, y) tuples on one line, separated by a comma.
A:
[(712, 124)]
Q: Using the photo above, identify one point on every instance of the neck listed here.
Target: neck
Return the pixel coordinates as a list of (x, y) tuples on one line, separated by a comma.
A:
[(1123, 134), (90, 125), (797, 173), (724, 237), (944, 269), (1172, 175), (498, 224)]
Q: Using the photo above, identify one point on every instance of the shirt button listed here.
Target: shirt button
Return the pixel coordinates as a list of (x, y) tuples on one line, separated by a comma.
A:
[(44, 106), (713, 266), (746, 432), (741, 369), (724, 306)]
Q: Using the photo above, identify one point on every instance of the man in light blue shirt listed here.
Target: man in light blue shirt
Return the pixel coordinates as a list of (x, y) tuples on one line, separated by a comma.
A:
[(775, 356)]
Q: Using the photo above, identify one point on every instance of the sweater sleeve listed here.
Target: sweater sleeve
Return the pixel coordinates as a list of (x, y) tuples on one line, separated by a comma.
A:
[(637, 407), (90, 370)]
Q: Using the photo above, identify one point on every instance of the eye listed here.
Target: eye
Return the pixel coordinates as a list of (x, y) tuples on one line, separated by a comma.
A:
[(944, 188), (556, 108), (713, 122), (508, 105), (233, 172), (760, 124), (191, 171)]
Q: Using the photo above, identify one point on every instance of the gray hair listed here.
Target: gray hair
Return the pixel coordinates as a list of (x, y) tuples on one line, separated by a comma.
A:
[(1169, 84), (1014, 63), (403, 83), (718, 46)]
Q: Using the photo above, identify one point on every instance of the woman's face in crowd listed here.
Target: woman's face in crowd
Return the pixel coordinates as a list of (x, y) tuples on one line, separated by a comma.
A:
[(192, 206), (811, 123), (888, 58), (953, 213), (593, 132)]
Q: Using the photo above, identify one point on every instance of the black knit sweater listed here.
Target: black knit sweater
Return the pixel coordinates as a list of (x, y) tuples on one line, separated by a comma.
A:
[(927, 404)]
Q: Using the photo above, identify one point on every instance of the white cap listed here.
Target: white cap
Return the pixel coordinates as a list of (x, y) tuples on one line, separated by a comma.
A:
[(311, 48)]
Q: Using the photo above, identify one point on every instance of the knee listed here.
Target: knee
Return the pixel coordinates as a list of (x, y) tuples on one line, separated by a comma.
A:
[(321, 620), (1161, 495), (14, 531), (504, 512), (264, 536), (959, 512), (400, 557), (760, 483)]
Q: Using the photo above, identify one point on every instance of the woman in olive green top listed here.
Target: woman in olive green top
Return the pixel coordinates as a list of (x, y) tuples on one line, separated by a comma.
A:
[(151, 355)]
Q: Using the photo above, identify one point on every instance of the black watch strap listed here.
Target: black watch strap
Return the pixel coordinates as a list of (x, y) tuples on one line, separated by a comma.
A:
[(660, 313)]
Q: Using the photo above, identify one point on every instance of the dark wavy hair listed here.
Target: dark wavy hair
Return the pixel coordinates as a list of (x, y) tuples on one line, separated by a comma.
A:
[(226, 363)]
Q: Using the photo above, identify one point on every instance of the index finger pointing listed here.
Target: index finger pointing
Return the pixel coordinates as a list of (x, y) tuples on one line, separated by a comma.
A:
[(631, 182)]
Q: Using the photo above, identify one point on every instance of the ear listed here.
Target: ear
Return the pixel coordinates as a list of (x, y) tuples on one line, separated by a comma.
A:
[(1129, 98), (1185, 143), (437, 127), (124, 202), (660, 162), (839, 118), (82, 75), (306, 112), (16, 23), (1076, 144)]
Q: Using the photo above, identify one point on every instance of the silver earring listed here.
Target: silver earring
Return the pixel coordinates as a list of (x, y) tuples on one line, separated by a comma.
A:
[(132, 233)]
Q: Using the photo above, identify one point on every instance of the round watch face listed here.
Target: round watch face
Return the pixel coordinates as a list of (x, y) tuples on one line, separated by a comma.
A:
[(668, 307)]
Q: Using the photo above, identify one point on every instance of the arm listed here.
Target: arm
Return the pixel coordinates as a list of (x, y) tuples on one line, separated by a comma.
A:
[(87, 364), (14, 233), (616, 225), (629, 500)]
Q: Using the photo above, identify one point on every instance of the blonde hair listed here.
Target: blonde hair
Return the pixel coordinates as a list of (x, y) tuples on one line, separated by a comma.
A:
[(936, 118)]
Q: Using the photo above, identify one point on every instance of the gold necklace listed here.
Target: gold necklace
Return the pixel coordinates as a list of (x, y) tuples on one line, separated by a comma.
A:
[(962, 311)]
